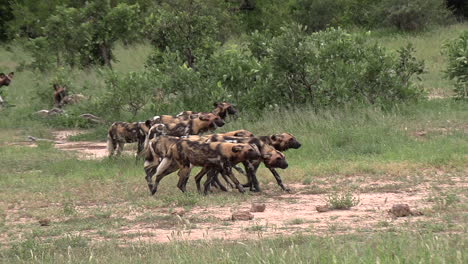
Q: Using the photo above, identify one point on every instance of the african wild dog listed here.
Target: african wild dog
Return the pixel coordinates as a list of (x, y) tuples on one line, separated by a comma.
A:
[(154, 151), (222, 109), (123, 132), (184, 154), (238, 133), (280, 142), (61, 96), (5, 80), (60, 92), (198, 125), (271, 157)]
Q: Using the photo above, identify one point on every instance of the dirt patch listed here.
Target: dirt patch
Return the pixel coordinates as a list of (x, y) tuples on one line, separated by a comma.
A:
[(284, 215), (449, 129), (63, 135), (84, 149)]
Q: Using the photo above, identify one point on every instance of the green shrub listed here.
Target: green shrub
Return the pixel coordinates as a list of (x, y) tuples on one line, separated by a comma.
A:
[(334, 67), (317, 14), (327, 68), (40, 52), (259, 43), (411, 15), (81, 37), (362, 13), (342, 201), (457, 69), (265, 14), (238, 77), (130, 92), (186, 27)]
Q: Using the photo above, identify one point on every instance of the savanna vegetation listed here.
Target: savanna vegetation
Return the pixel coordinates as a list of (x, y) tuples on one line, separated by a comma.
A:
[(374, 90)]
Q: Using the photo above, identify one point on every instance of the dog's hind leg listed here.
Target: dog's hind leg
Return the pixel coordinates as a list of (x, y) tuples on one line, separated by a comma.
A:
[(216, 182), (184, 174), (166, 167), (198, 178)]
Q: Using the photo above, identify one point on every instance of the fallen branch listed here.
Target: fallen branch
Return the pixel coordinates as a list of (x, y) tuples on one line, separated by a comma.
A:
[(93, 118), (35, 139)]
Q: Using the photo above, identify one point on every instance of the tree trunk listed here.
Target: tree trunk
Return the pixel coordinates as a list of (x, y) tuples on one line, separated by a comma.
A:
[(106, 54), (190, 58)]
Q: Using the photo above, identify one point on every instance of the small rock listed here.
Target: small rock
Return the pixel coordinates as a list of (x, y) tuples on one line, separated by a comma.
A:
[(322, 208), (178, 211), (420, 133), (416, 213), (44, 222), (242, 216), (51, 112), (400, 210), (258, 207)]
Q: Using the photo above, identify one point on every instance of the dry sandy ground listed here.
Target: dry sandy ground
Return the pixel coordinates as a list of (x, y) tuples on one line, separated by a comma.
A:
[(284, 215), (85, 149)]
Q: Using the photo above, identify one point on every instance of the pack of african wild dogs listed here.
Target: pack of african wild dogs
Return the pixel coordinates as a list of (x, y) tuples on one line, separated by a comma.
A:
[(178, 143)]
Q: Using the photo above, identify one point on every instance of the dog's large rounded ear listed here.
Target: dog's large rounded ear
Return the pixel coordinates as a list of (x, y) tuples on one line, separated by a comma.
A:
[(2, 75), (216, 104), (162, 128), (255, 147), (55, 86), (204, 117), (11, 74), (236, 148), (274, 137), (148, 123)]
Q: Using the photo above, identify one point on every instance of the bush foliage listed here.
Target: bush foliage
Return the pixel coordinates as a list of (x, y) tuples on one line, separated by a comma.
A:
[(457, 70), (288, 57), (294, 68)]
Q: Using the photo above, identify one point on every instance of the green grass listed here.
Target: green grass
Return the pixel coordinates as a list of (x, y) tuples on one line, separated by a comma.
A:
[(428, 46), (377, 248)]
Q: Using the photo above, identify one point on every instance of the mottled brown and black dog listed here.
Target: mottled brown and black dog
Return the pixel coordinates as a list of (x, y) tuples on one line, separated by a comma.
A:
[(178, 127), (238, 133), (61, 96), (60, 92), (222, 109), (184, 154), (122, 132), (271, 157), (154, 151), (280, 142), (5, 80)]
